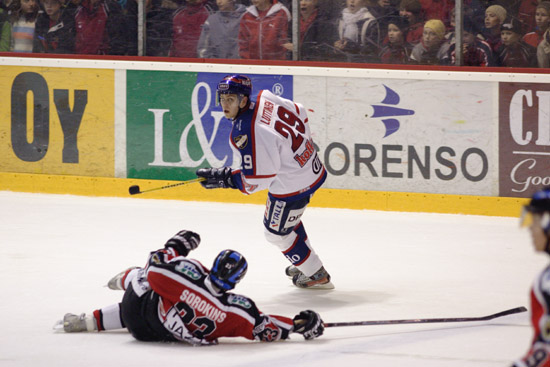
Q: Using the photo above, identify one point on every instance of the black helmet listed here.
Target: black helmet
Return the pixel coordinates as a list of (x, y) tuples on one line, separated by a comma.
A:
[(539, 204), (228, 269)]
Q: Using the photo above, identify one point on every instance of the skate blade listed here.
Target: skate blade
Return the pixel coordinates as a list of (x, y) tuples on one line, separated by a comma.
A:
[(328, 285), (58, 326)]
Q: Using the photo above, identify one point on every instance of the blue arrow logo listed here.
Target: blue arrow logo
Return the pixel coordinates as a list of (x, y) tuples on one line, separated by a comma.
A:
[(386, 110)]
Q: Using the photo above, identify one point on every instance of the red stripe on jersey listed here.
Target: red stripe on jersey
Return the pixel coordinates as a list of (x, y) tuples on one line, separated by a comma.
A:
[(253, 131), (538, 311), (260, 176), (304, 189)]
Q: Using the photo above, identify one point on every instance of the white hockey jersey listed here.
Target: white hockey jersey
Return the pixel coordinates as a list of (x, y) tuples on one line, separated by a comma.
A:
[(276, 149)]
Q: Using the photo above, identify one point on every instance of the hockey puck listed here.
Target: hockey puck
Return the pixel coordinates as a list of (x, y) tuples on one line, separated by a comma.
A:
[(134, 190)]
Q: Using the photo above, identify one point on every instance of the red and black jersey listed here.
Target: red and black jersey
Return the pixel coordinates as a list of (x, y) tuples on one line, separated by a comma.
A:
[(190, 303), (539, 353)]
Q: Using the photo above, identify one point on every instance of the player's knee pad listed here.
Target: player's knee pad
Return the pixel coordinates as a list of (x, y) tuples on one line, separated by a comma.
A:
[(281, 217)]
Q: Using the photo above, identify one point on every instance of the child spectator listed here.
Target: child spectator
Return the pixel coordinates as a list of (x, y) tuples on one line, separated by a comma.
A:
[(412, 11), (433, 47), (396, 50), (23, 20), (514, 52), (494, 17), (317, 33), (100, 28), (5, 31), (220, 33), (382, 10), (358, 32), (475, 52), (542, 21), (543, 51), (264, 31), (55, 31), (186, 28)]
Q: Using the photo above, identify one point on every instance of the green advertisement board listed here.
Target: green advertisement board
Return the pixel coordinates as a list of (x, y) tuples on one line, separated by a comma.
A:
[(173, 125)]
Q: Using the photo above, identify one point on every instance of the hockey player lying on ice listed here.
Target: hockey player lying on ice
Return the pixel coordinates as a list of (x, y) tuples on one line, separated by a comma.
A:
[(174, 298)]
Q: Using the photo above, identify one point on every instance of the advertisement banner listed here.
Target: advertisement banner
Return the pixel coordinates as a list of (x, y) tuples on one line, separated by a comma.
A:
[(57, 121), (524, 138), (404, 135), (174, 125)]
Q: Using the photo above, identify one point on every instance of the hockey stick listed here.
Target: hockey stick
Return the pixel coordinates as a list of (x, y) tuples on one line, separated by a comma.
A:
[(425, 321), (134, 190)]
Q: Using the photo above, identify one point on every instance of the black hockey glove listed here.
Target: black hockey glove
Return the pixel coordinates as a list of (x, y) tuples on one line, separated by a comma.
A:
[(309, 324), (216, 178), (183, 242)]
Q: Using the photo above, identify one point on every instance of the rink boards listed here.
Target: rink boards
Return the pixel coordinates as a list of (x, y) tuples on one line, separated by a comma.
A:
[(409, 140)]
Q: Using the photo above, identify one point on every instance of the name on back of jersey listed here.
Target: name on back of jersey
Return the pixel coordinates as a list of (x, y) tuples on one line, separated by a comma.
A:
[(199, 304), (267, 112)]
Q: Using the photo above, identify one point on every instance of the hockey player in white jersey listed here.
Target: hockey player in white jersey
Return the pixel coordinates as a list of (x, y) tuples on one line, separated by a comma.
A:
[(273, 139)]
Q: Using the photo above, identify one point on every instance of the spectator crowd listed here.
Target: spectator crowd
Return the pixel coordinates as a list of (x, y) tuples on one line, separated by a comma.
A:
[(508, 33)]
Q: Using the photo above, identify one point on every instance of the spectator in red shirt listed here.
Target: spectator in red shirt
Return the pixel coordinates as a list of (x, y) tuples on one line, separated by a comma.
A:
[(542, 21), (100, 28), (186, 28), (412, 11), (264, 31), (437, 9), (525, 14)]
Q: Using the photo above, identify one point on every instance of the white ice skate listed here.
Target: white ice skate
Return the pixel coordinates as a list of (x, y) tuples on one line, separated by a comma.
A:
[(72, 323), (319, 280), (116, 283)]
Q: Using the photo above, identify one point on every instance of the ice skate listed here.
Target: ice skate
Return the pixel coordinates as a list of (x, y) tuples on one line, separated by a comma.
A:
[(116, 283), (72, 323), (291, 271), (319, 280)]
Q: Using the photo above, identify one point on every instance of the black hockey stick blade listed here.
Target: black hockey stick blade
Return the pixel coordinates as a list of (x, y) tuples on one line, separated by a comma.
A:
[(426, 321), (134, 189)]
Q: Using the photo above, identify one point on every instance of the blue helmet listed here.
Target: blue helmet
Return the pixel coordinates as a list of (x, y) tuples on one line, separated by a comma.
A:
[(539, 204), (228, 269), (234, 84)]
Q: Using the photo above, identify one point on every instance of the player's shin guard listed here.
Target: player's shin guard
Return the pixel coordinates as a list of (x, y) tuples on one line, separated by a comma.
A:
[(296, 248)]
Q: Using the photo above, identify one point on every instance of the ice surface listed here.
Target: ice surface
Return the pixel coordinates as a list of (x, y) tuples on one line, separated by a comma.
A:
[(57, 252)]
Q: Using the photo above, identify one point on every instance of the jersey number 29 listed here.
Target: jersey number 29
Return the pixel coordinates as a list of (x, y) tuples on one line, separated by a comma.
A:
[(290, 126)]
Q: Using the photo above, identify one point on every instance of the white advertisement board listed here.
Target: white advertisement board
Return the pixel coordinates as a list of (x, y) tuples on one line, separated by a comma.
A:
[(404, 135)]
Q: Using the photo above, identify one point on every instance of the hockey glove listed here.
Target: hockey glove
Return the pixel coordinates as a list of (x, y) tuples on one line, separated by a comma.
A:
[(216, 178), (309, 324), (183, 242)]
